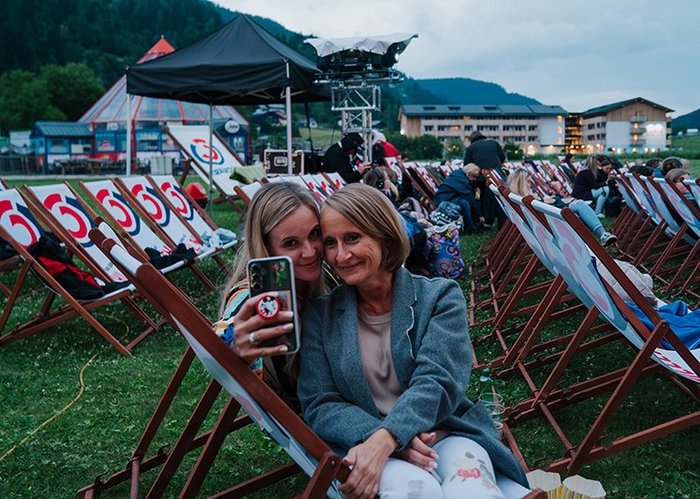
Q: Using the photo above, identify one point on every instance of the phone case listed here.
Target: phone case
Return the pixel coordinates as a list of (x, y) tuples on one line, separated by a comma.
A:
[(275, 273)]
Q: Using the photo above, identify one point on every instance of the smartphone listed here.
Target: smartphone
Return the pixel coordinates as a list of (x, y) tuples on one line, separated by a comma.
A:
[(275, 273)]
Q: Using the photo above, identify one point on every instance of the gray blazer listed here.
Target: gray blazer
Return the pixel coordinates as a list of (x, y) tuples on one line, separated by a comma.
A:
[(432, 357)]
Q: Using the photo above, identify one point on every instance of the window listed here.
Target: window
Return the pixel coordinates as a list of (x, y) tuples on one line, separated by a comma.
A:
[(428, 128), (468, 128)]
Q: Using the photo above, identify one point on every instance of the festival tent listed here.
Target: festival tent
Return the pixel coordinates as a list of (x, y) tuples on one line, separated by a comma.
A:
[(238, 64), (108, 116)]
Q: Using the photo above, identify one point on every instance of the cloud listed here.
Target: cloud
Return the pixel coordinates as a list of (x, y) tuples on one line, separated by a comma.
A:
[(575, 54)]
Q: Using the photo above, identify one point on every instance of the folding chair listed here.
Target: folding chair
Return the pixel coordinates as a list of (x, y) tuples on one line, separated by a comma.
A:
[(145, 198), (21, 229), (246, 192), (691, 218), (193, 141), (189, 212), (575, 253), (248, 392), (335, 180)]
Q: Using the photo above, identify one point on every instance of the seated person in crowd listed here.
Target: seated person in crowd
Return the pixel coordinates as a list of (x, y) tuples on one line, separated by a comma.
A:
[(339, 158), (668, 164), (590, 183), (282, 219), (459, 188), (385, 363), (567, 166), (519, 183)]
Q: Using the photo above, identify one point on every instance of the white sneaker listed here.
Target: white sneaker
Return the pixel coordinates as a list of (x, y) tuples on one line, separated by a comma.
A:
[(608, 238), (600, 215)]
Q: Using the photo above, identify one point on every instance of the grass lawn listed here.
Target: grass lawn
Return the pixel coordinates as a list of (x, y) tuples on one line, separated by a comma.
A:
[(97, 422)]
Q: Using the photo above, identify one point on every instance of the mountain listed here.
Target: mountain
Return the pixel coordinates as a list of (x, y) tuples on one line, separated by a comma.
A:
[(469, 91), (690, 120)]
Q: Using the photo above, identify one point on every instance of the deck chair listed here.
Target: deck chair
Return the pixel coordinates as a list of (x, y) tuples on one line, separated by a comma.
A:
[(691, 218), (262, 406), (246, 192), (3, 185), (193, 141), (189, 211), (147, 200), (335, 180), (9, 263), (21, 229), (577, 256)]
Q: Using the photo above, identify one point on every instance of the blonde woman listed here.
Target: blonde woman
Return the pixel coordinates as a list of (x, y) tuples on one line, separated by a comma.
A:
[(519, 183), (282, 219)]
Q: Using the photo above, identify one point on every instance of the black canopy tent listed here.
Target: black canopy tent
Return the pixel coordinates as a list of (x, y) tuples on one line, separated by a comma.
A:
[(238, 64)]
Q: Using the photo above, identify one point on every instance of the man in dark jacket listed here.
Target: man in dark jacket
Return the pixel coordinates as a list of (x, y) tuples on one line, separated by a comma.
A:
[(487, 154), (458, 189), (338, 158)]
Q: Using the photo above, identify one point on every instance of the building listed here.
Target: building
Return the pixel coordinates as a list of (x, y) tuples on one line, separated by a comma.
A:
[(60, 140), (635, 125), (535, 128), (574, 133), (107, 120)]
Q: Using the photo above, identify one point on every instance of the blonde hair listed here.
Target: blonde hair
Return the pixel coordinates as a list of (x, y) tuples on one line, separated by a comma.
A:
[(519, 182), (271, 204), (372, 213), (675, 174), (471, 169)]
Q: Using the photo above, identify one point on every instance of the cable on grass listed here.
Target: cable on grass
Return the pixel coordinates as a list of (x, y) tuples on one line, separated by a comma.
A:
[(56, 415)]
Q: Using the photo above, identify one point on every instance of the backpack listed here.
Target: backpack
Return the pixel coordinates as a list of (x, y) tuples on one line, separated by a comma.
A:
[(446, 255), (447, 213)]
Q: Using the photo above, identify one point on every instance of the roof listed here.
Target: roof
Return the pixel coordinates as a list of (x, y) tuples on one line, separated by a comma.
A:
[(482, 110), (594, 111), (112, 108), (240, 63), (61, 129)]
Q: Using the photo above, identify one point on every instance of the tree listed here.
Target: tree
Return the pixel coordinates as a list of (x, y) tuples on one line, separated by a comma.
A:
[(454, 148), (72, 88), (427, 147), (24, 99), (513, 151)]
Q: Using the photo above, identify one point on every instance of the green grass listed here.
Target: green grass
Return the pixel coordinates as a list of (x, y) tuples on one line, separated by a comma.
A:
[(39, 376), (322, 137)]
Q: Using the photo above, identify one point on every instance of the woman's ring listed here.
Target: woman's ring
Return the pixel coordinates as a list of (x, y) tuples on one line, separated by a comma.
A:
[(252, 339)]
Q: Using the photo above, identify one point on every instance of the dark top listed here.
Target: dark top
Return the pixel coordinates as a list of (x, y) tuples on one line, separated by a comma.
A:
[(584, 183), (458, 186), (487, 154), (336, 160)]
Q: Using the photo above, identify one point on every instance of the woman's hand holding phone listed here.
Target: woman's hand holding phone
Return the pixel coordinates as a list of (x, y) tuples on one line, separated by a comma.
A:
[(248, 325)]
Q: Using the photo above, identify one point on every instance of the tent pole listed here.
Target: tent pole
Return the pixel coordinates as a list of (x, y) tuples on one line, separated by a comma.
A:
[(129, 126), (288, 102), (211, 154)]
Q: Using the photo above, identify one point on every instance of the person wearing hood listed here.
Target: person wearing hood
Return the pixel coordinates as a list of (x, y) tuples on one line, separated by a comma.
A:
[(338, 158)]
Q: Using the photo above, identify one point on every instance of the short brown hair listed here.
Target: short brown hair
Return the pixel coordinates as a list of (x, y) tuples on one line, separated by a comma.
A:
[(373, 214)]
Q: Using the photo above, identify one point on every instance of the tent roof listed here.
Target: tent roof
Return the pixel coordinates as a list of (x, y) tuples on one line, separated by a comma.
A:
[(240, 63), (60, 129), (111, 107)]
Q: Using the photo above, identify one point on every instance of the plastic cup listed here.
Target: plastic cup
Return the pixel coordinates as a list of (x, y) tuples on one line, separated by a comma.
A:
[(491, 398), (496, 411)]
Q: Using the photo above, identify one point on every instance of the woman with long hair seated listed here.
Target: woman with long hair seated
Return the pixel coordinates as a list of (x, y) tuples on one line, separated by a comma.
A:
[(519, 183), (282, 219), (590, 184), (385, 362)]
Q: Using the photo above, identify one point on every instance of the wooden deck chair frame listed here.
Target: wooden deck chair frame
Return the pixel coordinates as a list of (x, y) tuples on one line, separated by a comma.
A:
[(419, 184), (683, 240), (263, 406), (691, 218), (200, 164), (167, 223), (571, 238), (636, 226), (246, 192), (46, 316), (514, 356)]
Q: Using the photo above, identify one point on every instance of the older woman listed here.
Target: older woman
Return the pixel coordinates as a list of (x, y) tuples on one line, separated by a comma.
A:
[(282, 219), (385, 362)]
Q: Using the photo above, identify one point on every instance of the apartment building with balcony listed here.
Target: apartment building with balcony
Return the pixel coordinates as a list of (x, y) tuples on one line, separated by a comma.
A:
[(635, 125), (535, 128)]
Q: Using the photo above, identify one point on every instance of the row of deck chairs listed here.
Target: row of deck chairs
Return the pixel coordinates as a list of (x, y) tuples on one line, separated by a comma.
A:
[(245, 391), (149, 212), (659, 230), (544, 266)]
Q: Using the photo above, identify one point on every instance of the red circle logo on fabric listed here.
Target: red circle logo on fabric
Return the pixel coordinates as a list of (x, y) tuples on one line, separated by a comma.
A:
[(71, 216), (201, 150), (19, 223)]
